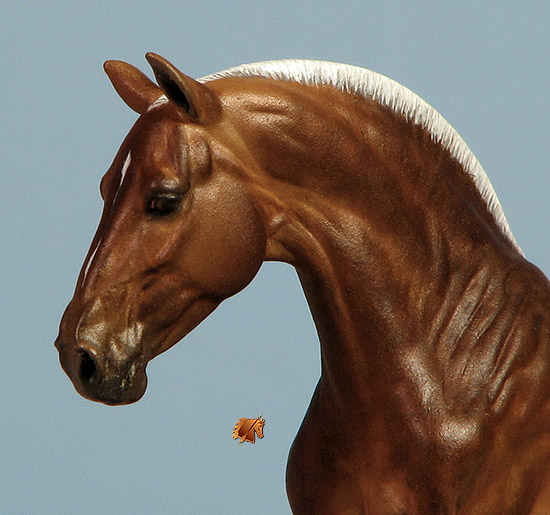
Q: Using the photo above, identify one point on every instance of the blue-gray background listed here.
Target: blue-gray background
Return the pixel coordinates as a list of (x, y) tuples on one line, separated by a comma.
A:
[(483, 65)]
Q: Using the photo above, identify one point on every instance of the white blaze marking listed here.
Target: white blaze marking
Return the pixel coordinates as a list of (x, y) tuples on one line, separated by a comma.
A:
[(91, 259), (125, 167)]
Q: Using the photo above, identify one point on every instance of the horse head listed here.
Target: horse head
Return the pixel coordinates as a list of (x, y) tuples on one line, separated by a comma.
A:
[(178, 234), (259, 427)]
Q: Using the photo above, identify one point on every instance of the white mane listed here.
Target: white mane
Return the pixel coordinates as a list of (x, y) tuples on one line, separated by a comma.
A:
[(389, 93)]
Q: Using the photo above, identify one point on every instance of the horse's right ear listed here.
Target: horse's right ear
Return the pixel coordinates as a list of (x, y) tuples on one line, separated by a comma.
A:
[(134, 87)]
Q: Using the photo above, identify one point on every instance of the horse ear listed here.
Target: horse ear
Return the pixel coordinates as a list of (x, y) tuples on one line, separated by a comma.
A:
[(138, 91), (196, 99)]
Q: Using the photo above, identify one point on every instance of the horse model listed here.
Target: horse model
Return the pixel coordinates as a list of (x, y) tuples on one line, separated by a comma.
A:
[(434, 329)]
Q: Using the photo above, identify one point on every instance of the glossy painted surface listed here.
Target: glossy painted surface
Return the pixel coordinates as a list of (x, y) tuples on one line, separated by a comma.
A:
[(433, 328)]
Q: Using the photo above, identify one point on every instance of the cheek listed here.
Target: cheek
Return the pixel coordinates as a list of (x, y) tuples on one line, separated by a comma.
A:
[(227, 241)]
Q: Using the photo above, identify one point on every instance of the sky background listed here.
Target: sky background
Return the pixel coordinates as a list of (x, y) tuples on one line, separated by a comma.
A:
[(483, 65)]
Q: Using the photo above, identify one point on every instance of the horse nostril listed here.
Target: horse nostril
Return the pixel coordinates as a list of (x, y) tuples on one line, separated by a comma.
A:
[(87, 368)]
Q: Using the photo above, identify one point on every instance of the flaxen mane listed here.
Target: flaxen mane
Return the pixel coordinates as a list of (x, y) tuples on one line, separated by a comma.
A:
[(389, 93)]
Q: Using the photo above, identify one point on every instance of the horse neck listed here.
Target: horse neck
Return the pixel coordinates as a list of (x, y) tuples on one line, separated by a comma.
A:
[(400, 260)]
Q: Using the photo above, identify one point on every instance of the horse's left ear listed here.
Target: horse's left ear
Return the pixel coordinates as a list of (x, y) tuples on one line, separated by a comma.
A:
[(196, 99)]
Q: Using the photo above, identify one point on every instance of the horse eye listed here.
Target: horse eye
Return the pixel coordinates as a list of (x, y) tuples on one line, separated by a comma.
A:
[(162, 204)]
